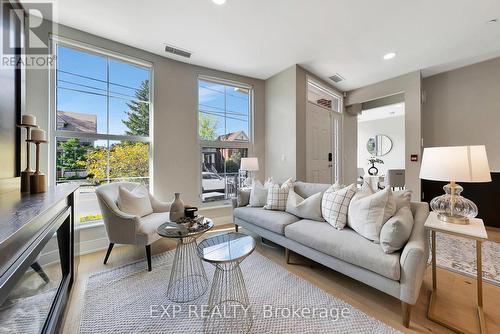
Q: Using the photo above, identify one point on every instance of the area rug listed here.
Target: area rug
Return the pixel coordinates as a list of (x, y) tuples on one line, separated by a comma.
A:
[(129, 299), (459, 254)]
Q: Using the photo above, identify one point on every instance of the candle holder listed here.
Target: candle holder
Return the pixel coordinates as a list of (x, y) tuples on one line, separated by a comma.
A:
[(37, 179), (25, 174)]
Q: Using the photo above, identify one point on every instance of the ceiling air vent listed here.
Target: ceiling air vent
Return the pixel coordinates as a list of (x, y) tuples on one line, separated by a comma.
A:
[(177, 51), (337, 78)]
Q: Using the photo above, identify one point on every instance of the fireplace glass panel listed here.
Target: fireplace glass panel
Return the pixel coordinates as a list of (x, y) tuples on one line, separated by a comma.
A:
[(26, 308)]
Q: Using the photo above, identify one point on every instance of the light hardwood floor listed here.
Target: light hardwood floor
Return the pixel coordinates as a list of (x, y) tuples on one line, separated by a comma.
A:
[(456, 299)]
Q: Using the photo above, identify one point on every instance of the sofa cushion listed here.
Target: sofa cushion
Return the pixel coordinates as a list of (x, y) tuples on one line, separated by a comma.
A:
[(274, 221), (345, 245)]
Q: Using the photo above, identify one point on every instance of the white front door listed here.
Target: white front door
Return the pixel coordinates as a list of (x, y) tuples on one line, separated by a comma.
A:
[(319, 141)]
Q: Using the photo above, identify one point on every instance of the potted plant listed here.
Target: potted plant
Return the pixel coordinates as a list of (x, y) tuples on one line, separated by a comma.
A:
[(374, 160)]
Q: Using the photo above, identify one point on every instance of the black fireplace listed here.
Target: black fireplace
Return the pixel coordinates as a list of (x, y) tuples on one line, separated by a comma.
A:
[(37, 261)]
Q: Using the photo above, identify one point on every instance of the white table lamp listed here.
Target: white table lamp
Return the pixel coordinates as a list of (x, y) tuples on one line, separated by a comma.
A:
[(249, 165), (455, 164)]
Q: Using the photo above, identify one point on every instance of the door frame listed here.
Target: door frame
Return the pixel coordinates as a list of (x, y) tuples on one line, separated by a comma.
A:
[(340, 114)]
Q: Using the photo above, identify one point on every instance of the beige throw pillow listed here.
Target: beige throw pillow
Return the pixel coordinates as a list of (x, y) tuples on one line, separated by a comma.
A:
[(277, 195), (258, 194), (335, 204), (135, 202), (307, 208), (397, 230), (369, 211), (402, 198)]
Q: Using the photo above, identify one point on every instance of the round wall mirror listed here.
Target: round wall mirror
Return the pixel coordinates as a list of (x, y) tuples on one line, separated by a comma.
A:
[(379, 145)]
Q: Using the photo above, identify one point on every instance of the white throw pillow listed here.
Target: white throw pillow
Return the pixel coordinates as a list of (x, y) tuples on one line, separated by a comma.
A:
[(335, 204), (258, 194), (307, 208), (277, 195), (368, 211), (135, 202), (396, 232), (402, 198)]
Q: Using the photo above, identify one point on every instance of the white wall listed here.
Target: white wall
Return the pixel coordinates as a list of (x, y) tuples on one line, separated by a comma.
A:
[(392, 127), (410, 85), (176, 151), (281, 125)]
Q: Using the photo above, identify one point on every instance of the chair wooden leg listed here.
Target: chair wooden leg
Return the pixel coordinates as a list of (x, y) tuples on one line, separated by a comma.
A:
[(406, 311), (110, 247), (287, 255), (236, 227), (148, 255)]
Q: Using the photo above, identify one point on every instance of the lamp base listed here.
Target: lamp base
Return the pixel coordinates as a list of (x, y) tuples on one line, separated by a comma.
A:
[(460, 220), (453, 208)]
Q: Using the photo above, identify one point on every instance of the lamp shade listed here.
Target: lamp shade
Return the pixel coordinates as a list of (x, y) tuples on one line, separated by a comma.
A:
[(249, 164), (455, 163)]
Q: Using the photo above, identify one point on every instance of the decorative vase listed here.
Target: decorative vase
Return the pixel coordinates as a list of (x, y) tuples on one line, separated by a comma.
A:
[(373, 170), (176, 208)]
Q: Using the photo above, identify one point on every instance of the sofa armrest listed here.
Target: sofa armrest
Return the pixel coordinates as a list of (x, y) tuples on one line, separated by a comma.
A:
[(159, 206), (415, 255), (242, 199)]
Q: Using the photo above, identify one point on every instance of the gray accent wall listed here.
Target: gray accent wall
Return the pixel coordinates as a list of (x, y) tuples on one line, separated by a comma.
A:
[(462, 107)]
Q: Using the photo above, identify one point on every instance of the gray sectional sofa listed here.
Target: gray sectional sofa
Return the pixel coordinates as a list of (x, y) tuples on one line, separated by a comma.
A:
[(398, 274)]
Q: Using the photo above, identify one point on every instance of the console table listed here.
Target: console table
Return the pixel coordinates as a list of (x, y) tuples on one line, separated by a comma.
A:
[(38, 258)]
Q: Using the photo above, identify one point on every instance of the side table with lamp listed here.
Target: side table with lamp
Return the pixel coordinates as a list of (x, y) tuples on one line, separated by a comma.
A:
[(454, 214)]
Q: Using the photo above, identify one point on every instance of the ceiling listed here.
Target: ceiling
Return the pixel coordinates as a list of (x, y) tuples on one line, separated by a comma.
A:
[(260, 38), (392, 110)]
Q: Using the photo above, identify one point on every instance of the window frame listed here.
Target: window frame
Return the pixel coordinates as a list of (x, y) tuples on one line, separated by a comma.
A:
[(221, 144), (54, 133)]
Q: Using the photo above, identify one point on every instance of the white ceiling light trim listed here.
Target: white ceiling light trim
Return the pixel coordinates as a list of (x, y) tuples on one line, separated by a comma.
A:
[(389, 55), (219, 2)]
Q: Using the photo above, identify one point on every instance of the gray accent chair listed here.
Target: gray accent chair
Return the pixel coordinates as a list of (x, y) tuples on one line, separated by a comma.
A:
[(124, 228), (399, 274)]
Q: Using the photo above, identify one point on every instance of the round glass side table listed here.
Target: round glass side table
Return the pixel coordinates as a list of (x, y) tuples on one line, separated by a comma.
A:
[(188, 279), (228, 292)]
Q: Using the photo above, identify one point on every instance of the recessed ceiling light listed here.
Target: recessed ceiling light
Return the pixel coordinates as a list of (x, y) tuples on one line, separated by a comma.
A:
[(389, 55), (219, 2)]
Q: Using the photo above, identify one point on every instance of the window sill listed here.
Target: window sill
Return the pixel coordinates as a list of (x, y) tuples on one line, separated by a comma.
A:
[(87, 225)]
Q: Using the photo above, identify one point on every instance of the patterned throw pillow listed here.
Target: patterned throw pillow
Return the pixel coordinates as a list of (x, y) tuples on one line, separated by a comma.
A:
[(277, 195), (335, 204)]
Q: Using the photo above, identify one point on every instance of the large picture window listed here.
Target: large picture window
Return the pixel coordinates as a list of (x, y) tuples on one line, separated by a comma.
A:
[(101, 122), (225, 134)]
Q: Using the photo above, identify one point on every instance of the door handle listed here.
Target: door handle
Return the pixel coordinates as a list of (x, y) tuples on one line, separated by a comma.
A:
[(330, 156)]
